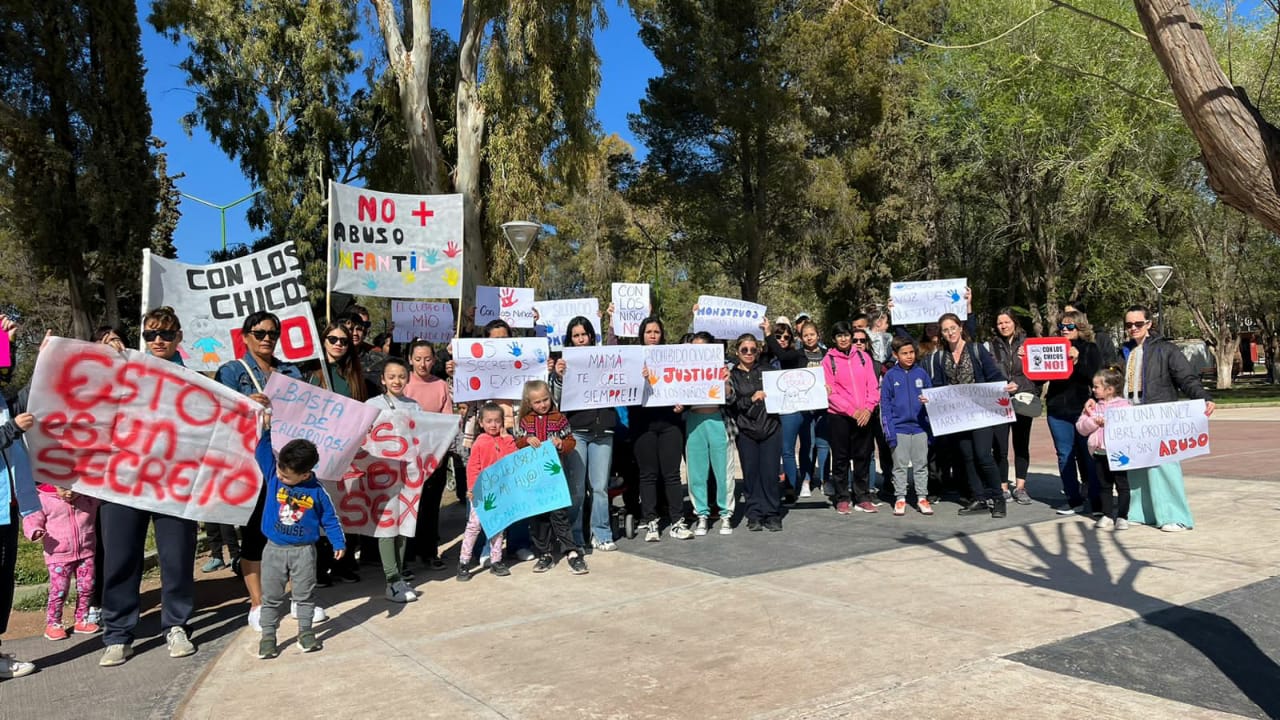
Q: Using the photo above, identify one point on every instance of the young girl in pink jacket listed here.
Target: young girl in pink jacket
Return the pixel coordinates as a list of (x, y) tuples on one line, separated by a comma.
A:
[(1108, 385), (65, 524)]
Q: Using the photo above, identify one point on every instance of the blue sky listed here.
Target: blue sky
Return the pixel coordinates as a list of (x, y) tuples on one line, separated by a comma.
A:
[(627, 66)]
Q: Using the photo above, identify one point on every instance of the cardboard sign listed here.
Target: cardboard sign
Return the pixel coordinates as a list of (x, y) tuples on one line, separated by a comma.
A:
[(212, 302), (496, 368), (392, 245), (1047, 358), (1143, 436), (605, 376), (630, 306), (692, 374), (554, 317), (957, 408), (727, 319), (511, 305), (795, 390), (430, 321), (925, 302), (523, 484), (136, 430), (336, 425)]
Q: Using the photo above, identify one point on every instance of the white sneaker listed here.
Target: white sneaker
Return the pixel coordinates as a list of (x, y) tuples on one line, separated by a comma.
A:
[(115, 655), (11, 667), (484, 562), (1174, 527), (399, 592), (725, 527), (1122, 524), (179, 644), (805, 490), (604, 546), (524, 554), (680, 530), (1104, 523), (255, 618), (702, 526), (651, 533), (94, 616), (317, 613)]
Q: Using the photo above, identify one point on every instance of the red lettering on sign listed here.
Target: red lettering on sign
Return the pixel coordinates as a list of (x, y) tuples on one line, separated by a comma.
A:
[(385, 433)]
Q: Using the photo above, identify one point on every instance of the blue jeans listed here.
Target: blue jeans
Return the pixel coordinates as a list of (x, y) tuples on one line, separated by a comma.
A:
[(1074, 462), (791, 423), (815, 451), (589, 469)]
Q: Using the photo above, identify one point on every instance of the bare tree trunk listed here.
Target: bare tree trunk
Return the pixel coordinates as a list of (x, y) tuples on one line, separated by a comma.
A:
[(470, 128), (1224, 354), (412, 68), (77, 275)]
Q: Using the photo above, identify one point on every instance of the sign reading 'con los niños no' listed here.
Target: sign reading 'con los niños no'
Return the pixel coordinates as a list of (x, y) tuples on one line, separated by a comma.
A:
[(496, 368)]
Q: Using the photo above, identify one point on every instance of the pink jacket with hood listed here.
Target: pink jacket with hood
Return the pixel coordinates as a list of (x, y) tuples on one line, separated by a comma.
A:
[(1088, 422), (852, 381), (68, 526)]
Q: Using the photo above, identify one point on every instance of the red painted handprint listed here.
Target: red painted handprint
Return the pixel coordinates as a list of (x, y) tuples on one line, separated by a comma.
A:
[(507, 297), (451, 250)]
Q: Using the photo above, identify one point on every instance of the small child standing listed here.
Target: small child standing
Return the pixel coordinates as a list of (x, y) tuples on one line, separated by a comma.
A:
[(297, 506), (1108, 387), (489, 447), (906, 425), (540, 422), (65, 524), (395, 378)]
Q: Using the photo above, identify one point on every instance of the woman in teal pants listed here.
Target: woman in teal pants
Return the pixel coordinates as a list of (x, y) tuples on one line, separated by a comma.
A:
[(706, 453)]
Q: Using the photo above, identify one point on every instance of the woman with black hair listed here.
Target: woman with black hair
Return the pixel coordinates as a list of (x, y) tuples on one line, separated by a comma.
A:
[(1006, 348), (659, 446)]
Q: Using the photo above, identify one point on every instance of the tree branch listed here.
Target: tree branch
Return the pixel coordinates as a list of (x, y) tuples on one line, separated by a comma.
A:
[(1105, 79)]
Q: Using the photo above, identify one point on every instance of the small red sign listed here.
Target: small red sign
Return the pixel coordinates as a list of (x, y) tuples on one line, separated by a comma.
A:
[(1047, 358)]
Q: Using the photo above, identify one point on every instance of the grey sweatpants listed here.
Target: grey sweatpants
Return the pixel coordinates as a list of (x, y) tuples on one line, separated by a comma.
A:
[(912, 450), (280, 564)]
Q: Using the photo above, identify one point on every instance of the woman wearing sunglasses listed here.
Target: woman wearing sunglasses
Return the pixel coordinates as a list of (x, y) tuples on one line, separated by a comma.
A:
[(759, 438), (853, 395), (784, 347), (341, 372), (1064, 401)]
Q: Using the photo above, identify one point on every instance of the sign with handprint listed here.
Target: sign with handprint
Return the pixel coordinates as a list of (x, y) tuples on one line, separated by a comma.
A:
[(554, 316), (1047, 358), (525, 483), (1143, 436), (393, 245), (926, 301), (692, 374), (795, 390), (603, 376), (957, 408), (728, 318), (496, 368), (509, 304)]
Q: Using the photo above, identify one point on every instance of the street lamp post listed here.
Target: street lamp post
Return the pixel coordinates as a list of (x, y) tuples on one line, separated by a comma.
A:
[(1159, 276), (520, 235), (222, 209)]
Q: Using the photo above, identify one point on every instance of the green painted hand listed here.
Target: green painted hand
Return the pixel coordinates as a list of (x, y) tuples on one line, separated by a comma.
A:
[(490, 501), (552, 467)]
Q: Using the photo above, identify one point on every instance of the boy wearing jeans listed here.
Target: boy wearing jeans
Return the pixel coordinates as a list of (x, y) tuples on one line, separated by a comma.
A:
[(297, 506)]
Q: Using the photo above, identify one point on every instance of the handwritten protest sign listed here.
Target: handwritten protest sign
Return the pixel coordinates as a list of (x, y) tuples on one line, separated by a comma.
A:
[(957, 408), (212, 302), (554, 317), (136, 430), (430, 321), (604, 376), (727, 318), (1046, 358), (630, 307), (392, 245), (692, 374), (336, 425), (795, 390), (523, 484), (511, 305), (925, 302), (1143, 436), (497, 368)]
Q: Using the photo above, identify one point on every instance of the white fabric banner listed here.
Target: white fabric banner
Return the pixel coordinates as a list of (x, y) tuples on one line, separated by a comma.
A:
[(1143, 436), (692, 374), (604, 376), (392, 245), (510, 304), (926, 301), (496, 368), (430, 321), (630, 306), (212, 302), (727, 318), (795, 390), (554, 317), (957, 408)]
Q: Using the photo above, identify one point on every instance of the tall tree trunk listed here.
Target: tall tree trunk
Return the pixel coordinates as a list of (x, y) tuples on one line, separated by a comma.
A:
[(412, 68), (470, 128), (78, 294)]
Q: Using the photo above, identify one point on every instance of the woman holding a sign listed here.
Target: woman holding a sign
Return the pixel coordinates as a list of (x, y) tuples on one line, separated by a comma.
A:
[(659, 445), (759, 438), (1064, 401)]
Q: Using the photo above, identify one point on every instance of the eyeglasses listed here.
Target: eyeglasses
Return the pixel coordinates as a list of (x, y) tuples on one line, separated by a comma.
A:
[(747, 351), (1135, 324), (335, 340), (1066, 326), (265, 334), (165, 335), (953, 330)]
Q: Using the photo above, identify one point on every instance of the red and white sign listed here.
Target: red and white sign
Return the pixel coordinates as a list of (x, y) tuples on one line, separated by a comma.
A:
[(496, 368), (1143, 436), (1047, 358)]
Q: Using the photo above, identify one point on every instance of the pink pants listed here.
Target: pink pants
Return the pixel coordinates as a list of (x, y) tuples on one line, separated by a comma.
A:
[(60, 583), (469, 536)]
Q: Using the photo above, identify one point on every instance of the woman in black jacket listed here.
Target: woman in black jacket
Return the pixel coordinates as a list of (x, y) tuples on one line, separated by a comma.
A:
[(759, 438), (1006, 348), (784, 347), (1064, 401)]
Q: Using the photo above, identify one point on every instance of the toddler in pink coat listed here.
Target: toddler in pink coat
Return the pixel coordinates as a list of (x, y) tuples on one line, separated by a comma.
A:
[(65, 524)]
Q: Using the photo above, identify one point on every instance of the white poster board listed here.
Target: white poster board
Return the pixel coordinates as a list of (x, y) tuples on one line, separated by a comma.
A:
[(510, 304), (630, 307), (692, 374), (727, 318), (794, 390), (1143, 436), (603, 376), (926, 301), (496, 368), (554, 316), (430, 321), (957, 408)]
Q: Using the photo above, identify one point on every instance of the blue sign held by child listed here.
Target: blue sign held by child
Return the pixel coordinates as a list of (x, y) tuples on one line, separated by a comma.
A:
[(526, 483)]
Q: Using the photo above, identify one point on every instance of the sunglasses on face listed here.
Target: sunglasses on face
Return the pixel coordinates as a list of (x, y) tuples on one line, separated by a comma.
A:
[(747, 351), (1066, 326), (1135, 324), (336, 340), (860, 341), (265, 334), (165, 335)]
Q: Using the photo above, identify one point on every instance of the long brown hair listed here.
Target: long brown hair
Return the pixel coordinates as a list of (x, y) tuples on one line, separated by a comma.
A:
[(348, 366)]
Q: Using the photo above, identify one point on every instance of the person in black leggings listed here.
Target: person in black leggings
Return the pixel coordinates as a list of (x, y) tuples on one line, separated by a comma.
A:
[(659, 446)]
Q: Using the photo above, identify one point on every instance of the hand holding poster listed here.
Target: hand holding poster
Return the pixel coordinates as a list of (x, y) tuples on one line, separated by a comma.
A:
[(523, 484), (796, 390), (630, 306), (692, 374), (430, 321), (925, 302), (1143, 436), (1047, 358), (136, 430), (392, 245), (957, 408), (496, 368), (726, 318), (602, 376), (514, 306), (554, 316), (336, 425)]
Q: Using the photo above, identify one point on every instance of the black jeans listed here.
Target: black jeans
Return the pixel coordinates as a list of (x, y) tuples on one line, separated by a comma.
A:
[(1020, 429), (124, 538), (8, 561), (221, 535), (760, 475), (850, 444), (658, 452), (882, 450), (1117, 479), (551, 533), (980, 463), (426, 541)]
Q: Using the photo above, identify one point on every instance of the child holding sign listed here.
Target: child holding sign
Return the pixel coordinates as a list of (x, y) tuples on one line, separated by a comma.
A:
[(540, 422), (1108, 384), (490, 447)]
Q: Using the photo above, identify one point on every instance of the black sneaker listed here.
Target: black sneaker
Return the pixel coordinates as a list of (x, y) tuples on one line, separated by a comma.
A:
[(324, 580), (977, 507), (308, 642), (578, 565), (500, 569), (463, 573), (544, 564), (267, 648), (347, 576), (773, 524), (435, 563), (754, 525)]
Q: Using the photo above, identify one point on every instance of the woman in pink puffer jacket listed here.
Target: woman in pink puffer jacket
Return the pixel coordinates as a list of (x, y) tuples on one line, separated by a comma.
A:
[(65, 524)]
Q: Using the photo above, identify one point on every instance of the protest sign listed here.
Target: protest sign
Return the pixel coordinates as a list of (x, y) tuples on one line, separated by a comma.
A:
[(514, 306), (602, 376), (727, 319), (136, 430), (430, 321), (336, 425), (957, 408), (392, 245), (212, 302), (692, 374), (523, 484), (1047, 358), (554, 317), (1143, 436), (380, 493), (497, 368), (795, 390), (925, 302), (630, 306)]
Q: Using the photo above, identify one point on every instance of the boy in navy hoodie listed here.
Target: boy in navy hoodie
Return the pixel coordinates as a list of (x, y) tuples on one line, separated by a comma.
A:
[(906, 425), (297, 506)]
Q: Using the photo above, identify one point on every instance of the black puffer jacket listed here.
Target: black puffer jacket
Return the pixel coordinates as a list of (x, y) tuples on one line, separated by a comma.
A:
[(1006, 354), (751, 418), (1165, 371), (1066, 398)]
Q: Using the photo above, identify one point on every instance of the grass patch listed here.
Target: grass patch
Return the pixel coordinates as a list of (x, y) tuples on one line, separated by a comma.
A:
[(1244, 393), (30, 568)]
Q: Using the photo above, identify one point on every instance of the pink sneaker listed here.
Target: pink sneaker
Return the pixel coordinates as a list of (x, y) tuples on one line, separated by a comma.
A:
[(842, 507), (900, 507), (84, 627), (865, 507), (55, 632), (925, 507)]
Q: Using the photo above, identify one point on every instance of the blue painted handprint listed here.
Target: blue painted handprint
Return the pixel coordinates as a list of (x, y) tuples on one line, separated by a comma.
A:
[(432, 257), (539, 355), (1120, 458), (516, 349), (371, 283), (954, 295)]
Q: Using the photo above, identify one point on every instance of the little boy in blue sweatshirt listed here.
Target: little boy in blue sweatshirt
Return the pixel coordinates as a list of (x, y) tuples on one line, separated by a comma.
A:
[(297, 506), (906, 424)]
